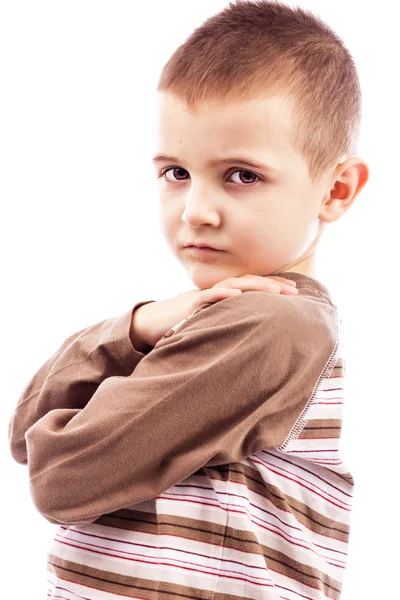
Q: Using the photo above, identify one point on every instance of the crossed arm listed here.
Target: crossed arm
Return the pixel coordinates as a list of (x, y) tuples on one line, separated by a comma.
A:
[(104, 427)]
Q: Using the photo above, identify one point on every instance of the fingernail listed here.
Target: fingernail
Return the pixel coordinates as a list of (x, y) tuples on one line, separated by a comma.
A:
[(290, 282), (292, 290)]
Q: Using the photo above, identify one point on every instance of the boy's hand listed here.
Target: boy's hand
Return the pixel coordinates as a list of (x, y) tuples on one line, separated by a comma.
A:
[(151, 321)]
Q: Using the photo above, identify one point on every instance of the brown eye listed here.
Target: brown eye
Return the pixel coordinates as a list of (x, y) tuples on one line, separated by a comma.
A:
[(174, 169), (248, 175)]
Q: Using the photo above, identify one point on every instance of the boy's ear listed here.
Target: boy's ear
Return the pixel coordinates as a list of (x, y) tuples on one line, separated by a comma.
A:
[(349, 179)]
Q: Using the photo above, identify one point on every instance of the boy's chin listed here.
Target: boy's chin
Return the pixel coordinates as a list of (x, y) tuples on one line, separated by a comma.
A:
[(206, 276)]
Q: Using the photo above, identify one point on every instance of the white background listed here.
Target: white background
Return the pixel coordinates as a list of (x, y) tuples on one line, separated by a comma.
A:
[(81, 240)]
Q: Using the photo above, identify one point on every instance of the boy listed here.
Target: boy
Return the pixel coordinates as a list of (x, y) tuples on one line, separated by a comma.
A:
[(197, 455)]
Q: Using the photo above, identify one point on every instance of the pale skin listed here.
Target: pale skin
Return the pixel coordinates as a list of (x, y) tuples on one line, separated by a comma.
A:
[(267, 220)]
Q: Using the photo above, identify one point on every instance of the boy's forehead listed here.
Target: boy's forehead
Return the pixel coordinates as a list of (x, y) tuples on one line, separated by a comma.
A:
[(267, 110), (259, 125)]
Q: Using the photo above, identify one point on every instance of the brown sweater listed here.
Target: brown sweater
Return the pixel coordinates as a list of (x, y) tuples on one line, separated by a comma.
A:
[(103, 427)]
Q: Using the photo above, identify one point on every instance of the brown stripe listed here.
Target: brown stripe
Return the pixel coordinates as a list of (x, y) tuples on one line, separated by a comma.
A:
[(314, 578), (165, 524), (303, 513), (148, 522), (339, 369), (131, 587), (321, 428)]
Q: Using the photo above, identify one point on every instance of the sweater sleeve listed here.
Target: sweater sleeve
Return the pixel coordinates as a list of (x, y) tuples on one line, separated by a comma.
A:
[(70, 377), (231, 380)]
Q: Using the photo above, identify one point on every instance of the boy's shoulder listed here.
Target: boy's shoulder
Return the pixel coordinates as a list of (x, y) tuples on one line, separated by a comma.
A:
[(311, 313)]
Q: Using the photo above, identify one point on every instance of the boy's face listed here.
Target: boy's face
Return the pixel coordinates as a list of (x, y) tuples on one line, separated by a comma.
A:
[(262, 219)]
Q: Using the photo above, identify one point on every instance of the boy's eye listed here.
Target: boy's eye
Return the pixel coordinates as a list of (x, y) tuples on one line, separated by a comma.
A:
[(244, 180), (163, 173)]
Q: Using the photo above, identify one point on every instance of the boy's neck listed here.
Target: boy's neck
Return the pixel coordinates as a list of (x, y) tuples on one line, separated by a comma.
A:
[(305, 266)]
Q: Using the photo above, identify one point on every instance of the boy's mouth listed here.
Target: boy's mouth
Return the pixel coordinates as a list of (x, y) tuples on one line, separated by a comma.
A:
[(202, 249), (201, 245)]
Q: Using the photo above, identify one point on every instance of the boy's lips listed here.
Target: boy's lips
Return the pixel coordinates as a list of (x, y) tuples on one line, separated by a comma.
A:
[(203, 250), (202, 245)]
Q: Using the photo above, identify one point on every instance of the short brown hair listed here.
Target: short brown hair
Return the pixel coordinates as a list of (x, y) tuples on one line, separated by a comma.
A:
[(259, 47)]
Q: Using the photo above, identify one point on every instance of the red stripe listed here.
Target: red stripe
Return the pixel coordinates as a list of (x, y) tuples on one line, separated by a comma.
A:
[(307, 488), (167, 564), (301, 451), (261, 522), (226, 576), (302, 468), (311, 483), (328, 403), (92, 587), (257, 520)]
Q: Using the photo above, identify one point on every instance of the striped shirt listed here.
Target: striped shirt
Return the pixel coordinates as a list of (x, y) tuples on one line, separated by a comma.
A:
[(208, 468)]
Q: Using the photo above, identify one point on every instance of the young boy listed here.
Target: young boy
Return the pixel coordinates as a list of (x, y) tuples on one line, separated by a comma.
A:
[(197, 455)]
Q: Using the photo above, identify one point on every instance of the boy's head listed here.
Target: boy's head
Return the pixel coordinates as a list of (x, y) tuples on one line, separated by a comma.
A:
[(273, 84)]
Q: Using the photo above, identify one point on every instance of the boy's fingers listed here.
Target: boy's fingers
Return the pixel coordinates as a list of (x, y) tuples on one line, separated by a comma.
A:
[(283, 279)]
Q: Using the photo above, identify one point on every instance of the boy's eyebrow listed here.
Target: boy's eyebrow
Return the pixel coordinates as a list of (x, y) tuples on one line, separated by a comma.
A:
[(221, 161)]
